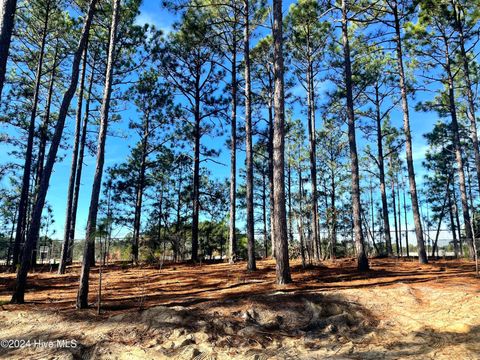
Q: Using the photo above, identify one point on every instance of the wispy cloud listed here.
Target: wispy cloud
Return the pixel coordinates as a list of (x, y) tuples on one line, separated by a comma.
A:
[(147, 17)]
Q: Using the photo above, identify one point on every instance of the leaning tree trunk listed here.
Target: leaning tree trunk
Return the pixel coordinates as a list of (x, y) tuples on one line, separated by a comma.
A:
[(73, 167), (362, 260), (422, 255), (82, 295), (27, 168), (232, 239), (381, 170), (458, 154), (7, 17), (280, 219), (248, 142), (19, 293)]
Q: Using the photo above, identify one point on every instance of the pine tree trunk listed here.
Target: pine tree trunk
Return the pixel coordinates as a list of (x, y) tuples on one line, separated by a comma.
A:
[(88, 259), (362, 260), (21, 230), (399, 214), (300, 218), (73, 167), (196, 171), (78, 178), (333, 219), (422, 255), (468, 89), (7, 19), (139, 196), (458, 153), (381, 170), (394, 206), (232, 238), (406, 223), (248, 142), (312, 158), (280, 219), (264, 213), (19, 293), (270, 176)]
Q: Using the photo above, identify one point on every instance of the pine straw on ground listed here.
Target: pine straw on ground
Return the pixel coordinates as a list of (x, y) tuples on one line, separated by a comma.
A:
[(399, 309)]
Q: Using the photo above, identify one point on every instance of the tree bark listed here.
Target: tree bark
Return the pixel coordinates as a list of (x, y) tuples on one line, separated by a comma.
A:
[(399, 214), (468, 89), (270, 175), (139, 196), (458, 153), (196, 170), (312, 157), (7, 20), (232, 238), (248, 142), (381, 170), (362, 260), (280, 221), (422, 255), (78, 179), (82, 295), (19, 293), (300, 218), (406, 223), (73, 167)]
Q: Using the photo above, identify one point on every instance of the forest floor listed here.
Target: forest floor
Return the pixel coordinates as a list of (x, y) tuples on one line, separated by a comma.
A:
[(397, 310)]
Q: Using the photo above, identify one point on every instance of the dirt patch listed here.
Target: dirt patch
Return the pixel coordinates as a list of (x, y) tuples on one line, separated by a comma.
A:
[(398, 310)]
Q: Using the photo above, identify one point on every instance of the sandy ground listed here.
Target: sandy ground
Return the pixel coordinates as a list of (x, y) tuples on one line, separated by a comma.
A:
[(398, 310)]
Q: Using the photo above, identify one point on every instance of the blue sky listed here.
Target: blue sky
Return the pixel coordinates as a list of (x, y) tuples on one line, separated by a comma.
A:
[(118, 149)]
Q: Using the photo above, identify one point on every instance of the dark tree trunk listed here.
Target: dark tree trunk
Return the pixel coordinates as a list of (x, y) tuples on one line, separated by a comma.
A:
[(249, 143), (139, 196), (19, 293), (399, 214), (458, 154), (232, 239), (270, 176), (8, 8), (333, 219), (468, 89), (88, 253), (73, 168), (21, 231), (196, 170), (422, 255), (381, 169), (406, 223), (76, 193), (394, 207), (264, 213), (280, 219), (300, 218), (362, 260)]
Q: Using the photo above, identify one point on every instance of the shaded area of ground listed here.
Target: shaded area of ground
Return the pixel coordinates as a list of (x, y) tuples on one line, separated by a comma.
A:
[(397, 310)]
